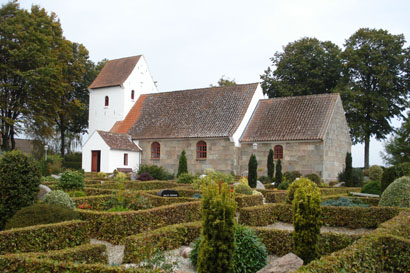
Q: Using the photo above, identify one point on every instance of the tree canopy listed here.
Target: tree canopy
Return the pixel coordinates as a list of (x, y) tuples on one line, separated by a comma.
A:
[(397, 148), (225, 82)]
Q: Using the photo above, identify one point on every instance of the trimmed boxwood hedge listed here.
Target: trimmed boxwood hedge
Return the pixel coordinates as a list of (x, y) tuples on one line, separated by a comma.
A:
[(44, 237), (139, 185), (249, 200), (325, 191), (276, 197), (90, 191)]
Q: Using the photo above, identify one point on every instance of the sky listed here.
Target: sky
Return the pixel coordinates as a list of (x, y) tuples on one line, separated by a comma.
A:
[(191, 44)]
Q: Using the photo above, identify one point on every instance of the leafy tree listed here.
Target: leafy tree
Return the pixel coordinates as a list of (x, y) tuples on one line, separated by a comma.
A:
[(270, 165), (348, 170), (252, 171), (397, 148), (183, 164), (29, 46), (225, 82), (278, 174), (305, 67), (377, 69)]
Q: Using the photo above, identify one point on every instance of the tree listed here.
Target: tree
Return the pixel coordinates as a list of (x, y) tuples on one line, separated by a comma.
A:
[(278, 175), (270, 165), (397, 148), (183, 164), (348, 175), (305, 67), (225, 82), (377, 70), (252, 171), (28, 70)]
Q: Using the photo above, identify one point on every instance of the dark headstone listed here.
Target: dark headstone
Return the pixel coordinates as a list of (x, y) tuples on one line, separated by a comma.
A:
[(168, 193)]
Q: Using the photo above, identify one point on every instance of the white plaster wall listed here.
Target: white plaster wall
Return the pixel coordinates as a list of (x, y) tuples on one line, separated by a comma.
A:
[(117, 160), (258, 95), (95, 143)]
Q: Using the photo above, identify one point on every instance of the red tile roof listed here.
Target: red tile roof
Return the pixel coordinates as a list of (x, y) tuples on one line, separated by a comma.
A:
[(291, 118), (125, 125), (198, 113), (115, 72), (118, 141)]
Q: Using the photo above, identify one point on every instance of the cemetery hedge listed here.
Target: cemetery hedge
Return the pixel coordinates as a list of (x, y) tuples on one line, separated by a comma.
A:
[(44, 237), (249, 200), (138, 185)]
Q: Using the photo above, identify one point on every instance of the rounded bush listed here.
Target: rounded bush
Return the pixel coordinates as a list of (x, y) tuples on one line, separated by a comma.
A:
[(375, 173), (284, 185), (186, 178), (294, 186), (71, 180), (291, 176), (397, 193), (250, 253), (392, 173), (40, 214), (243, 189), (19, 183), (314, 178), (372, 187), (59, 198)]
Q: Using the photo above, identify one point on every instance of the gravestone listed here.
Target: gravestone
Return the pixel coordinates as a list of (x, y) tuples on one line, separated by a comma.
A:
[(43, 191), (168, 193)]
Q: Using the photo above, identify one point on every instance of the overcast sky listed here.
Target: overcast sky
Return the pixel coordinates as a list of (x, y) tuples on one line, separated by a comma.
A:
[(191, 44)]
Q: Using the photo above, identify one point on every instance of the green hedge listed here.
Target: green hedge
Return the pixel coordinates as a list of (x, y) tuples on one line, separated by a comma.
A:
[(352, 217), (249, 200), (114, 226), (325, 191), (142, 246), (88, 253), (163, 201), (96, 201), (138, 185), (276, 197), (387, 249), (96, 191), (44, 237)]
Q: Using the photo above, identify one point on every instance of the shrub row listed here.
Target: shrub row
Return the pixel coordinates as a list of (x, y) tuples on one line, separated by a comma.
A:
[(276, 197), (138, 185), (157, 201), (387, 249), (44, 237), (96, 191), (96, 201), (114, 226), (352, 217), (249, 200), (325, 191)]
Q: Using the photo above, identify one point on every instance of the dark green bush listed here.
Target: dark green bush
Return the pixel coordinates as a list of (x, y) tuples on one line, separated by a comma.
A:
[(44, 170), (357, 178), (291, 176), (250, 253), (39, 214), (19, 183), (243, 189), (344, 202), (270, 165), (278, 173), (372, 187), (73, 161), (71, 180), (375, 173), (182, 164), (294, 186), (397, 193), (265, 179), (157, 172), (392, 173), (186, 178), (284, 185), (314, 178), (77, 194), (252, 171)]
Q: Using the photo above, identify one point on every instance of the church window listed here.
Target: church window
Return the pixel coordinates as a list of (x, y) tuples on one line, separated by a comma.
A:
[(201, 150), (278, 152), (155, 150), (132, 94), (125, 159), (107, 101)]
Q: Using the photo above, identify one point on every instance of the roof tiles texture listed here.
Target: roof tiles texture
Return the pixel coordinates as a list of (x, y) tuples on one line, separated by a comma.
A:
[(125, 125), (118, 141), (198, 113), (115, 72), (291, 118)]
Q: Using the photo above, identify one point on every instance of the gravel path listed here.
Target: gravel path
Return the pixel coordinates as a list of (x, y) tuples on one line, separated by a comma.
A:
[(340, 230), (115, 253)]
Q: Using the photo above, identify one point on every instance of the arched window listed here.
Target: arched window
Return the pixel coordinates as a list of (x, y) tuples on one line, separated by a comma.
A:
[(107, 101), (155, 150), (278, 152), (201, 150), (132, 94)]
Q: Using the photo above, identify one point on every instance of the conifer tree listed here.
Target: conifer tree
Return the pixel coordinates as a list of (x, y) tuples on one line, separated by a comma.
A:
[(348, 170), (270, 165), (278, 175), (183, 164), (252, 171)]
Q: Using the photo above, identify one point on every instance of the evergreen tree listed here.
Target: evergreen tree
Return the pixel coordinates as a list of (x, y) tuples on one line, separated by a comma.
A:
[(183, 164), (278, 175), (270, 165), (252, 171), (348, 170)]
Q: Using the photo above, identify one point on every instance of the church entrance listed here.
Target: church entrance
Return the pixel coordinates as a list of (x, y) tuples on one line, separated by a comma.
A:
[(95, 161)]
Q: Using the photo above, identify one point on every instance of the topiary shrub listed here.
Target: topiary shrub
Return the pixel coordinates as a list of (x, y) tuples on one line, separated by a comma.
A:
[(157, 172), (375, 173), (278, 173), (41, 214), (397, 193), (243, 189), (392, 173), (372, 187), (59, 198), (145, 177), (186, 178), (182, 164), (291, 176), (252, 171), (71, 180), (19, 183), (270, 165), (217, 245), (306, 221), (314, 178), (294, 186), (250, 253)]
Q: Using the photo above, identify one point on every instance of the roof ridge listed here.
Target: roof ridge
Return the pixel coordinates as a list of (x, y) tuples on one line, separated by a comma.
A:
[(125, 58), (302, 96)]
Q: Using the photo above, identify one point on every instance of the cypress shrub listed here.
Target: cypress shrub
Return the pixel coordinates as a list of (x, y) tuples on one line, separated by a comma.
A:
[(348, 170), (183, 164), (278, 175), (294, 186), (19, 183), (252, 171), (306, 221), (270, 165), (216, 249)]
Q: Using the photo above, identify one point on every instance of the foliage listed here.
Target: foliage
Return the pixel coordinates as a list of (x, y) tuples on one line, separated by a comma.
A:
[(265, 179), (225, 82), (357, 177), (270, 165), (120, 176), (127, 200), (182, 164), (243, 180), (306, 221), (250, 253), (252, 171), (216, 249), (344, 202), (243, 189), (372, 187), (397, 148), (44, 170), (54, 163), (397, 193), (19, 183), (101, 175), (392, 173), (186, 178), (348, 171), (376, 67), (59, 198), (294, 186), (145, 177), (284, 185), (48, 180), (278, 174), (291, 176), (305, 67), (157, 172), (375, 173), (71, 180), (77, 194), (314, 178), (219, 176), (39, 214), (73, 161)]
